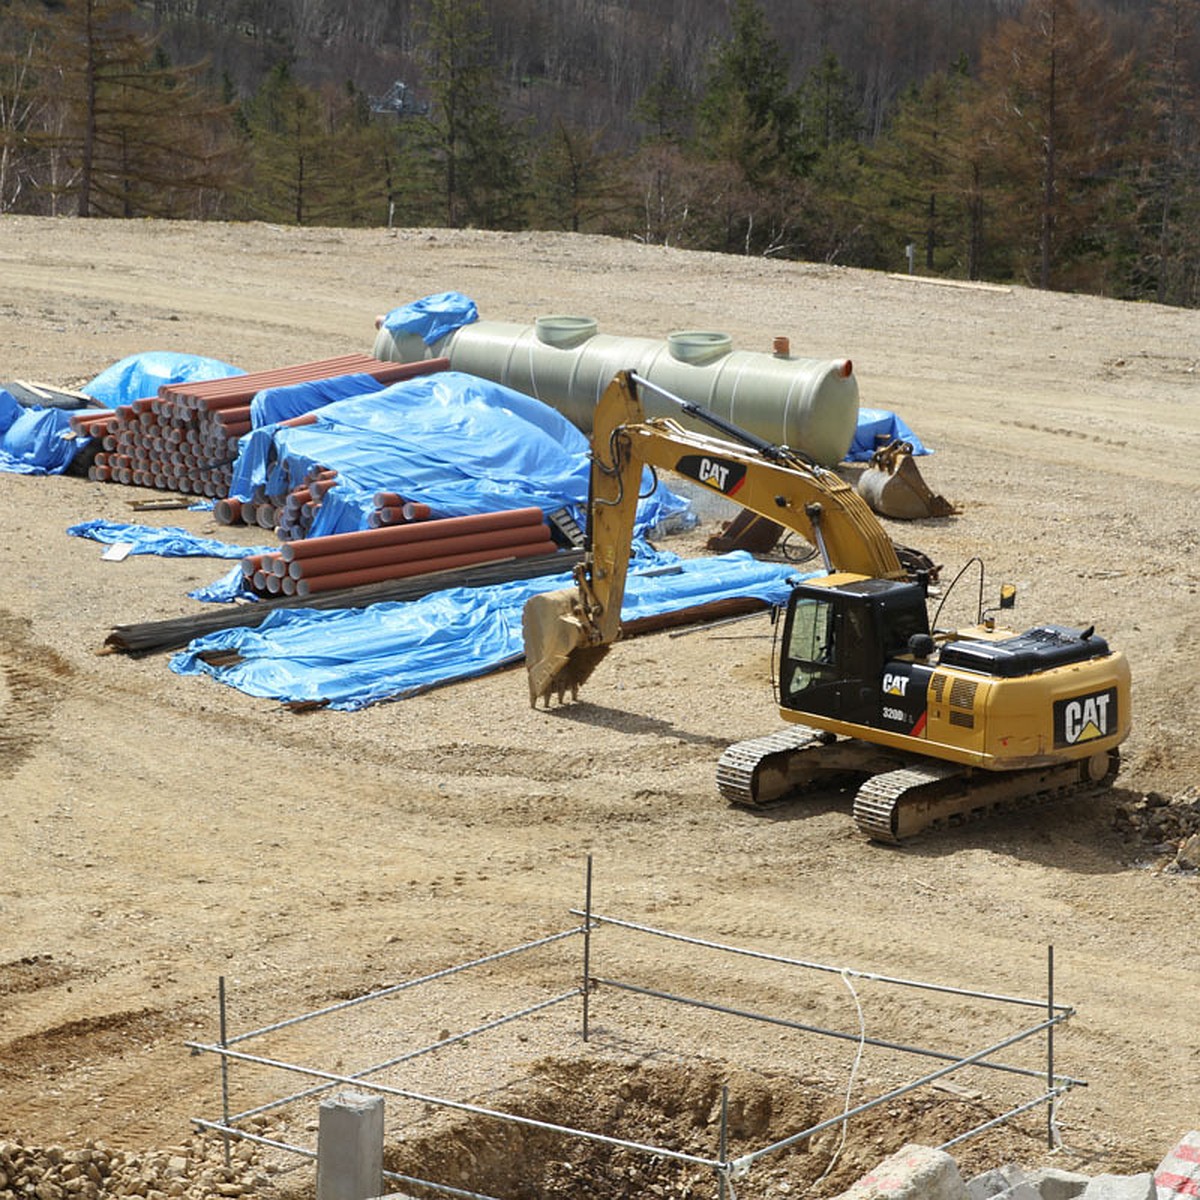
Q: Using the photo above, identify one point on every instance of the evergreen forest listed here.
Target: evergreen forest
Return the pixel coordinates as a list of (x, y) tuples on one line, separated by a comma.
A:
[(1052, 143)]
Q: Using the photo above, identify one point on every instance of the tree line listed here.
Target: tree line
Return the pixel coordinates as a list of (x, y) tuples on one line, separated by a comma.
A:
[(1054, 143)]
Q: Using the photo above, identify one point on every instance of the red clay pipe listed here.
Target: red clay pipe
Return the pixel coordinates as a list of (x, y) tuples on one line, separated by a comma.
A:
[(379, 556), (328, 583), (421, 531)]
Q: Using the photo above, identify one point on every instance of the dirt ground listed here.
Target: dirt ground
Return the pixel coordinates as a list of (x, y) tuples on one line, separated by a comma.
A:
[(162, 833)]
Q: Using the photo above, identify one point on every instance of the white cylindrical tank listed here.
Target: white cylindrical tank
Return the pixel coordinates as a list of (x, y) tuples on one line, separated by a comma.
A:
[(805, 403)]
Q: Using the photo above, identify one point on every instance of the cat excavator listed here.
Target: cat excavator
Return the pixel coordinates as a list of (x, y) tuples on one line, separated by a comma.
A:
[(930, 726)]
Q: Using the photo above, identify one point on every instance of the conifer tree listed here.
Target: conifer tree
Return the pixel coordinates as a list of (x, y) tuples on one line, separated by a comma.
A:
[(747, 112), (1170, 183), (474, 146), (576, 185), (142, 137), (1059, 108), (924, 177)]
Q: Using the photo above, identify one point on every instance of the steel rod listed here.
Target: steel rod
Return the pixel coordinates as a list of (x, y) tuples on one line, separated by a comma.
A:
[(932, 1076), (788, 1023), (408, 983), (1050, 1096), (224, 1063), (814, 966), (587, 945), (375, 1068), (723, 1141), (462, 1106), (1050, 1045)]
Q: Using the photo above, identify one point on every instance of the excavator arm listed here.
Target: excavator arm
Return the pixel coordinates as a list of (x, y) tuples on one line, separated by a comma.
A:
[(568, 632)]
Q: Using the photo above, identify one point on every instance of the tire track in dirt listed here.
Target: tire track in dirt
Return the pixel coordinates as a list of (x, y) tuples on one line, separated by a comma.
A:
[(32, 678)]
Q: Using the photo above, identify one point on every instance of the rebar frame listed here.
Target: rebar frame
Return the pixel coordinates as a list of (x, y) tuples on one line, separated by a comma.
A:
[(724, 1169)]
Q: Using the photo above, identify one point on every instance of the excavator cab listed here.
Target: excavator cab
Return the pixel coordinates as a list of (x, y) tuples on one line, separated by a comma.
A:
[(852, 651)]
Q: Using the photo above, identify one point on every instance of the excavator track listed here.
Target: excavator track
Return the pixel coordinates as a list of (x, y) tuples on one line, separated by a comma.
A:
[(898, 805), (766, 771), (743, 769)]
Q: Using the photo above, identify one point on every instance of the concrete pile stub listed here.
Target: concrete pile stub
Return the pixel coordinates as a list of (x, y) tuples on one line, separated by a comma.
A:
[(1178, 1175), (350, 1147), (912, 1173), (1120, 1187)]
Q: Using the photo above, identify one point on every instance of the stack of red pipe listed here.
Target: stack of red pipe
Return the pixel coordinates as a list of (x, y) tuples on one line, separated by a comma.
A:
[(185, 439), (344, 560), (392, 509), (290, 514)]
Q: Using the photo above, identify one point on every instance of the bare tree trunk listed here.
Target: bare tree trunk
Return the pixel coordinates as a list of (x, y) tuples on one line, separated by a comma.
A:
[(89, 116), (1049, 198)]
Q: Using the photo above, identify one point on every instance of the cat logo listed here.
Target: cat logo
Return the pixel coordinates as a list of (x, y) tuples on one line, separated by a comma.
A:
[(1085, 718), (720, 474), (895, 685)]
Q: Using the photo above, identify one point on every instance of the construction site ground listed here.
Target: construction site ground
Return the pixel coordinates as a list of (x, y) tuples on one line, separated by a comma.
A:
[(162, 833)]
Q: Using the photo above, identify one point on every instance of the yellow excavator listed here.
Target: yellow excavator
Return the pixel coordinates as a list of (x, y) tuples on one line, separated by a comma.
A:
[(930, 726)]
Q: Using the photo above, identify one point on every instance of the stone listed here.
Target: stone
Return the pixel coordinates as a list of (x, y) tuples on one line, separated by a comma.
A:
[(1120, 1187), (1054, 1184), (912, 1173), (994, 1183), (1188, 856)]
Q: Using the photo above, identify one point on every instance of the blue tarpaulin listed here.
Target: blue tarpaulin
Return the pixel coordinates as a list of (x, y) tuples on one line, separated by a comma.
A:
[(272, 405), (877, 426), (351, 658), (141, 375), (432, 317), (168, 541), (31, 441), (453, 441)]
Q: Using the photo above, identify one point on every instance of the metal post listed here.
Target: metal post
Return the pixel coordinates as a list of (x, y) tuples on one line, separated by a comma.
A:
[(587, 945), (1050, 1046), (224, 1071), (723, 1142)]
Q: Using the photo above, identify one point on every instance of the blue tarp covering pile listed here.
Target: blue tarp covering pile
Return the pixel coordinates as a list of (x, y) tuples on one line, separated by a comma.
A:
[(31, 438), (876, 426), (432, 317), (276, 404), (453, 441), (31, 441), (350, 658), (142, 375)]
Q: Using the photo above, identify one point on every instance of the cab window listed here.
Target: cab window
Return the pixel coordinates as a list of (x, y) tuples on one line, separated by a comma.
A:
[(809, 653)]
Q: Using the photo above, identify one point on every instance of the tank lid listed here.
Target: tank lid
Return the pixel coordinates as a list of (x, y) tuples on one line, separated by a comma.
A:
[(697, 346), (565, 332)]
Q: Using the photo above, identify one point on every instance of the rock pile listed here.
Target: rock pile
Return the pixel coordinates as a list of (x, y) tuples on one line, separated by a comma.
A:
[(195, 1170), (923, 1173), (1169, 826)]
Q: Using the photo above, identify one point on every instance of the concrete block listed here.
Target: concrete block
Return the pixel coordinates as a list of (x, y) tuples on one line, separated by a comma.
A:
[(1178, 1175), (1053, 1184), (1120, 1187), (912, 1173), (350, 1147)]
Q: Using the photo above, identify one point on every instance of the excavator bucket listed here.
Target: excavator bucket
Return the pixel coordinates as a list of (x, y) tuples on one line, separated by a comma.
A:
[(558, 658), (894, 487)]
